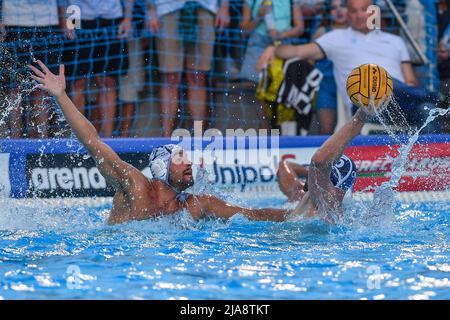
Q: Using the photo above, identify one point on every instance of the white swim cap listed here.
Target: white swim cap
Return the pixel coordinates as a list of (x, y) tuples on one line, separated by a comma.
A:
[(160, 158)]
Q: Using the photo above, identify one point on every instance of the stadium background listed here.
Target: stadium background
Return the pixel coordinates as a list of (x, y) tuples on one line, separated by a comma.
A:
[(231, 101)]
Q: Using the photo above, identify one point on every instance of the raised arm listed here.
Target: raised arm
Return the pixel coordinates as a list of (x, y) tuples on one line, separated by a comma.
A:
[(212, 206), (248, 24), (321, 162), (108, 162)]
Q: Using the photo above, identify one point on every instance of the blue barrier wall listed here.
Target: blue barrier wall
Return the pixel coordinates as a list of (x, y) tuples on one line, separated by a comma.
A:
[(24, 154)]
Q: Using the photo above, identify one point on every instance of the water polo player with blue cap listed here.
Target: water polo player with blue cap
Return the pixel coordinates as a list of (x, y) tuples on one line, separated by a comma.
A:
[(329, 176), (343, 174)]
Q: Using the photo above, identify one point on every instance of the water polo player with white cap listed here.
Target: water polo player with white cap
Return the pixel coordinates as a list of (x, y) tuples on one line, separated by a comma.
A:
[(169, 164), (137, 197)]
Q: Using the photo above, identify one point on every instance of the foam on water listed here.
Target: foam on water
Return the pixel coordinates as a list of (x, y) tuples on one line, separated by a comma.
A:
[(176, 257)]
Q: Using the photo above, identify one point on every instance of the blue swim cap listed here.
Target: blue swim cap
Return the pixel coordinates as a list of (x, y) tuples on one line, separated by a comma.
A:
[(160, 158), (343, 173)]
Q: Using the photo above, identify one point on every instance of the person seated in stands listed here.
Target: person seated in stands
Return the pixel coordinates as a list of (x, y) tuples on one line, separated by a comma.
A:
[(359, 44)]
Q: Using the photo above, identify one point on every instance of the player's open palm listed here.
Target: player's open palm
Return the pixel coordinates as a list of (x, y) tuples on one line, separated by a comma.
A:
[(54, 84)]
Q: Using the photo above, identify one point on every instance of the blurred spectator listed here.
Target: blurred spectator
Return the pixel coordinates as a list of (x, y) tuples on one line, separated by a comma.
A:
[(176, 53), (230, 45), (444, 47), (357, 45), (99, 51), (288, 88), (288, 23), (133, 82), (312, 7), (313, 11), (326, 104), (443, 54), (30, 30)]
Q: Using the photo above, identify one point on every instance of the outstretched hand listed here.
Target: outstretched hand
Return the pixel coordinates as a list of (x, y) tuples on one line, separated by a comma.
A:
[(54, 84)]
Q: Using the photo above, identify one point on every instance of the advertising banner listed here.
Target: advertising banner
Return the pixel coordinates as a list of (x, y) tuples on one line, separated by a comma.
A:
[(71, 172), (427, 168)]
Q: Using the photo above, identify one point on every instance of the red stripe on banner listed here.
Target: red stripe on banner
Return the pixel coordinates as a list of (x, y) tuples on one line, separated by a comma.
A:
[(428, 168)]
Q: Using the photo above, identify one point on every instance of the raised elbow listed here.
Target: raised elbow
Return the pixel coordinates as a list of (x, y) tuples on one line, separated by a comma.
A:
[(319, 159), (282, 169)]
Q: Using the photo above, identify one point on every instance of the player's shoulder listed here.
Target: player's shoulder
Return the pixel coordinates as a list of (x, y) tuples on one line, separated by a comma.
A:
[(197, 205), (155, 183)]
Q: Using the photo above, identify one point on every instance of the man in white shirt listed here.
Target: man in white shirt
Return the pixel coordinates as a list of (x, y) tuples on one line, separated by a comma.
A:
[(30, 29), (356, 45)]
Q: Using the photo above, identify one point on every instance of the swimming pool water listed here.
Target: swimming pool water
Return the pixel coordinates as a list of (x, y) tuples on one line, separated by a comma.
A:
[(69, 253)]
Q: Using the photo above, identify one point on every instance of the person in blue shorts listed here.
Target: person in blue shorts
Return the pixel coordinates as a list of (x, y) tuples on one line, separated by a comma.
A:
[(326, 104)]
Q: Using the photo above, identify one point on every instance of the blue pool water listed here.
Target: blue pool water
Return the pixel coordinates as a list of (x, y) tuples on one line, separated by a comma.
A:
[(69, 253)]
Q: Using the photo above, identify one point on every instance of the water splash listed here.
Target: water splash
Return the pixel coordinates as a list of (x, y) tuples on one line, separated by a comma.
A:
[(393, 119), (39, 215), (16, 95), (398, 167), (380, 211)]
